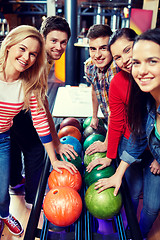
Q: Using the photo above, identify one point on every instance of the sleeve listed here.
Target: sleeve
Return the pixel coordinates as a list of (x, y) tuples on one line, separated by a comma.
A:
[(87, 70), (117, 117), (40, 121), (135, 147)]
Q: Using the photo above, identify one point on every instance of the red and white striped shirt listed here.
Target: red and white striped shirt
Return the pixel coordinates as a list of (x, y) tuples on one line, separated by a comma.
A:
[(11, 103)]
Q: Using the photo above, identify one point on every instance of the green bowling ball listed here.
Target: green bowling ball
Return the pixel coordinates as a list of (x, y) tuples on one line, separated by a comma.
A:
[(95, 175), (89, 158), (91, 139), (87, 122), (102, 205), (77, 161)]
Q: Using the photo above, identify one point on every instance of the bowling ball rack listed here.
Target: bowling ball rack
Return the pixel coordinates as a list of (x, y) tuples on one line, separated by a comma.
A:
[(85, 228)]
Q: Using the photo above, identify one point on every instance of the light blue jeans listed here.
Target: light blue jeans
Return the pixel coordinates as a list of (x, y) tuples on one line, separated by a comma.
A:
[(139, 178), (4, 173)]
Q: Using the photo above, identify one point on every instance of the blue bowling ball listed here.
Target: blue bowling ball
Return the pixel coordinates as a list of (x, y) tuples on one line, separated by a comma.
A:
[(72, 141)]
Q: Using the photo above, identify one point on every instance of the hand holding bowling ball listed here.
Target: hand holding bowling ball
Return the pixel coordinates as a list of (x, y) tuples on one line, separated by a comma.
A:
[(87, 122), (65, 179), (102, 205)]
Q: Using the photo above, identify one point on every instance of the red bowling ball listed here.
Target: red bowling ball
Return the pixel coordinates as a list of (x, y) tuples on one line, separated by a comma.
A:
[(70, 121)]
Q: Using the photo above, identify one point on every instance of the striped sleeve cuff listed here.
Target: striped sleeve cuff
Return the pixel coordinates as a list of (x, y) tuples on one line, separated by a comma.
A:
[(46, 139)]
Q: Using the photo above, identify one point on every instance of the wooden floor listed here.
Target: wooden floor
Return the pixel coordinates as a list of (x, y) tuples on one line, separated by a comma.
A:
[(18, 209), (155, 231)]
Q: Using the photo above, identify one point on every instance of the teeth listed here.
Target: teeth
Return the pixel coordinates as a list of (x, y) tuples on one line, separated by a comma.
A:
[(99, 61), (57, 52), (144, 80), (129, 66), (22, 62)]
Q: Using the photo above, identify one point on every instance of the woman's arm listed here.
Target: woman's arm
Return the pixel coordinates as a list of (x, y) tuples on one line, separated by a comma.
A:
[(41, 123), (117, 119), (55, 162), (66, 149), (113, 181)]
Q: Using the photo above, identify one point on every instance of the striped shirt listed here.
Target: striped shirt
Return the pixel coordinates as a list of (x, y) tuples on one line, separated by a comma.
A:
[(101, 81), (12, 102)]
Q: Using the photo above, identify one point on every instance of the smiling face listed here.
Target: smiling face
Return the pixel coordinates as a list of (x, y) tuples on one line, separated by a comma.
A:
[(99, 53), (146, 66), (121, 51), (22, 55), (55, 44)]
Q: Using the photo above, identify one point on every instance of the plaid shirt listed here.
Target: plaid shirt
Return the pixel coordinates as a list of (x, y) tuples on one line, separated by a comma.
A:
[(101, 81)]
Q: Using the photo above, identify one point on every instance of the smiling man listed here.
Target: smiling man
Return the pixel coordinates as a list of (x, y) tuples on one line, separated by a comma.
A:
[(56, 33), (99, 69)]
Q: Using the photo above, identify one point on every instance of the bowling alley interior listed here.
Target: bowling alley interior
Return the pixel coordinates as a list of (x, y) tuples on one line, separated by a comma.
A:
[(67, 205)]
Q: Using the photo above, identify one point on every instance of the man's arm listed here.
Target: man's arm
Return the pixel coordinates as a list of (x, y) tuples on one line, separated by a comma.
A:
[(60, 148), (98, 146), (95, 104)]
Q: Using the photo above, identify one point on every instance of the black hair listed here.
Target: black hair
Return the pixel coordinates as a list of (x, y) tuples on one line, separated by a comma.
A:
[(137, 108), (99, 30), (150, 35), (55, 23), (138, 99), (128, 33)]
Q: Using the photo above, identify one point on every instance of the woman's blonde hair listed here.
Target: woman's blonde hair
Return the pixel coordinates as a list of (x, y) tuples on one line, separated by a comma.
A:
[(35, 77)]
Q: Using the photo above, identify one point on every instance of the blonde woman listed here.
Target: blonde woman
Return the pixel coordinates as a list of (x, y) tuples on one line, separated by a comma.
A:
[(23, 85)]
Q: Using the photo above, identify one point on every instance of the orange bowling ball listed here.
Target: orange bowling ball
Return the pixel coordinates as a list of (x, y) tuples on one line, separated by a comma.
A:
[(70, 131), (62, 206), (65, 179)]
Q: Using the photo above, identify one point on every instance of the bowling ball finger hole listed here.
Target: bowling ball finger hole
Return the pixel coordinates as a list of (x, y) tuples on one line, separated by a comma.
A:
[(55, 192)]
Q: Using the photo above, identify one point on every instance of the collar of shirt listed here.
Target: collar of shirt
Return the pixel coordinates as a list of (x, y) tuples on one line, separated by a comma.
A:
[(105, 68)]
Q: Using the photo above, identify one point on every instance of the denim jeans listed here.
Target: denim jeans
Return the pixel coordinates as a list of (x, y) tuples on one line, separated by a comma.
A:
[(25, 138), (139, 178), (4, 174)]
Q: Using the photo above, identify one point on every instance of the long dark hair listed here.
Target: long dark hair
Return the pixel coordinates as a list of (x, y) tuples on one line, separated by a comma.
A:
[(130, 35), (127, 33), (137, 110), (138, 99)]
